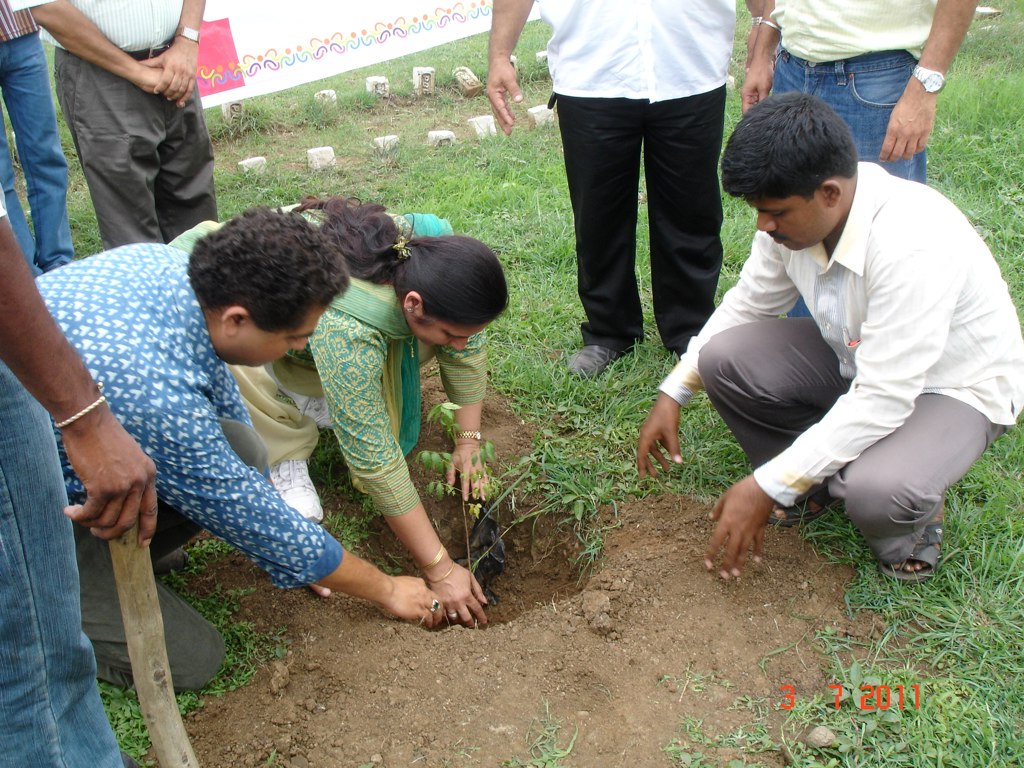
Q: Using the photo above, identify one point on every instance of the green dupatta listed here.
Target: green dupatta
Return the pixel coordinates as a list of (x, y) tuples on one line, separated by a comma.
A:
[(378, 306)]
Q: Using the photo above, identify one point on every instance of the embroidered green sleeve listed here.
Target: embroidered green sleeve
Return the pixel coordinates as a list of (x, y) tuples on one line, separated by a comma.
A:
[(350, 356), (464, 373)]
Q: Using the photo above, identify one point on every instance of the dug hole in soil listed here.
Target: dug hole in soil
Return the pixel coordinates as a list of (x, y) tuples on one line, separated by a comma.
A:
[(618, 660)]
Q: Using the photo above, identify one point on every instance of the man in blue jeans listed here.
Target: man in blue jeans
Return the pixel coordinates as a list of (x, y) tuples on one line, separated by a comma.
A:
[(879, 65), (26, 91), (50, 709)]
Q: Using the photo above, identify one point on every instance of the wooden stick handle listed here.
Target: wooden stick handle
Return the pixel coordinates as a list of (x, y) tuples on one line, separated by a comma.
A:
[(144, 629)]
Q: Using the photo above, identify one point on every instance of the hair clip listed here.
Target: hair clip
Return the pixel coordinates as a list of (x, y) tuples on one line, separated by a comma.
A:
[(401, 248), (315, 215)]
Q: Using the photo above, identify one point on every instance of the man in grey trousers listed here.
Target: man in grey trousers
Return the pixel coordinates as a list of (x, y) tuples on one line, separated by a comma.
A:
[(910, 365), (126, 86)]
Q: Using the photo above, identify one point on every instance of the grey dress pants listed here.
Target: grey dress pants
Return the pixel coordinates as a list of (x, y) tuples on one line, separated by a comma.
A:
[(771, 380), (148, 163), (195, 648)]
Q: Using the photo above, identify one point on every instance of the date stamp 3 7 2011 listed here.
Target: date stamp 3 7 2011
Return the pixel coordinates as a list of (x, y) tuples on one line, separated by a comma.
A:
[(869, 697)]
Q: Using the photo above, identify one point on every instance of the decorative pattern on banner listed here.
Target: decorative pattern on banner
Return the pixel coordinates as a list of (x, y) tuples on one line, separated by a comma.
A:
[(251, 48), (218, 69)]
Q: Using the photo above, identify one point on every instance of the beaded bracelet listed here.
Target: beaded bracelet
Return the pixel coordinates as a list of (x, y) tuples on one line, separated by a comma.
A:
[(88, 409)]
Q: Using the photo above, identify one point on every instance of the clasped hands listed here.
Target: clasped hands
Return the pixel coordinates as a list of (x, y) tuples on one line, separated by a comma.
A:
[(173, 72)]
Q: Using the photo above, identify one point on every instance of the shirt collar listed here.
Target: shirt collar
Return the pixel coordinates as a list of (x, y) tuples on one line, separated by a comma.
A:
[(852, 248)]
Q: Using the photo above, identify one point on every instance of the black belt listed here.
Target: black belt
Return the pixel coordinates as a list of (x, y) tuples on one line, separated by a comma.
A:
[(149, 53)]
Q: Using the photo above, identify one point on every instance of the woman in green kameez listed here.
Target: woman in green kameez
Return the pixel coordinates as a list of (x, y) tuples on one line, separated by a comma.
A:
[(412, 296)]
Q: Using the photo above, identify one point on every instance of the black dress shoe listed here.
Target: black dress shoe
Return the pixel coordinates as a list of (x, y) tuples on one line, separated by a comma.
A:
[(590, 362), (127, 760), (174, 561)]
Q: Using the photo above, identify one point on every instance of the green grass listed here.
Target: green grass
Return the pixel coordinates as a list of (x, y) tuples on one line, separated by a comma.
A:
[(959, 636), (246, 649), (696, 746), (547, 748)]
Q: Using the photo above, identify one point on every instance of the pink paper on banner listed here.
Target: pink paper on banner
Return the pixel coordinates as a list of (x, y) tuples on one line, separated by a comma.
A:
[(218, 69)]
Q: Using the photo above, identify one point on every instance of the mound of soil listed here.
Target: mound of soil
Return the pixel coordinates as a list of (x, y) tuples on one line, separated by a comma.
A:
[(618, 660)]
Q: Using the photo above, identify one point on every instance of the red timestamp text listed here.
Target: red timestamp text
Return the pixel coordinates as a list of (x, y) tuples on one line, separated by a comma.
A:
[(868, 698)]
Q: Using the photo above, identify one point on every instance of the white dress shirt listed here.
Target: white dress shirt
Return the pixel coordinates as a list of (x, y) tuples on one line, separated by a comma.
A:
[(131, 25), (640, 49), (911, 301)]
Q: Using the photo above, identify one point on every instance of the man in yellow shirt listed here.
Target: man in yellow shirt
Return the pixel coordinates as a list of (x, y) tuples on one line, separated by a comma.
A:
[(879, 65)]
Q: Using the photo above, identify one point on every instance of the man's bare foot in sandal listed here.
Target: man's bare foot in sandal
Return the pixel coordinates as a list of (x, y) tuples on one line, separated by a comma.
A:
[(817, 504), (923, 561)]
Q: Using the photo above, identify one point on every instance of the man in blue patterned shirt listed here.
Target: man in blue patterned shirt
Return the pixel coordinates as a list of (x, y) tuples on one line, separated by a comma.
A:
[(158, 328)]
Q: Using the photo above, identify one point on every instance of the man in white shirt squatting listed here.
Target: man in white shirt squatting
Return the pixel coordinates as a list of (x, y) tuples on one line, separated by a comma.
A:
[(910, 365)]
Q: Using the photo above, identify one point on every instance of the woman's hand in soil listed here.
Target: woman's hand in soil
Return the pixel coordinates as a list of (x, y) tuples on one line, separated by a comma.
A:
[(742, 513), (661, 430), (467, 462), (463, 597)]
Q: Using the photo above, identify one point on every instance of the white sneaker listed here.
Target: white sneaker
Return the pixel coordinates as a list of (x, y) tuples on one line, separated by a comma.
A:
[(314, 407), (291, 478)]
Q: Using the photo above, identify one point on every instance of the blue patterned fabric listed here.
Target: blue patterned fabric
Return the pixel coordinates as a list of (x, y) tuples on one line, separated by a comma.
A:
[(133, 317)]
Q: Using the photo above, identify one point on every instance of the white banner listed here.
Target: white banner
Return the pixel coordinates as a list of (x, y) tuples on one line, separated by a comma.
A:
[(253, 47)]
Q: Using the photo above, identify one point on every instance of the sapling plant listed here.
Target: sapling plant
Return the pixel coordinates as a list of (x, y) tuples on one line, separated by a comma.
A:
[(485, 550), (443, 415)]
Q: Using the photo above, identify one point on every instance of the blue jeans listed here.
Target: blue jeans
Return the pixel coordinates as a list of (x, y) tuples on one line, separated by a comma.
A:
[(50, 710), (26, 90), (863, 91)]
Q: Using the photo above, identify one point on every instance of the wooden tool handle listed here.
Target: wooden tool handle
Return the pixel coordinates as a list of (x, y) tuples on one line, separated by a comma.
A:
[(144, 629)]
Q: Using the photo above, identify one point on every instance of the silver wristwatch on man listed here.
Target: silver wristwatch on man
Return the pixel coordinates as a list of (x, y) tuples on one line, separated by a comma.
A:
[(932, 81), (189, 33)]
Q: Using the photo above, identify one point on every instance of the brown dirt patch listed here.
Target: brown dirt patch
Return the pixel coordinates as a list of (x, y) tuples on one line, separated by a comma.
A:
[(646, 640)]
